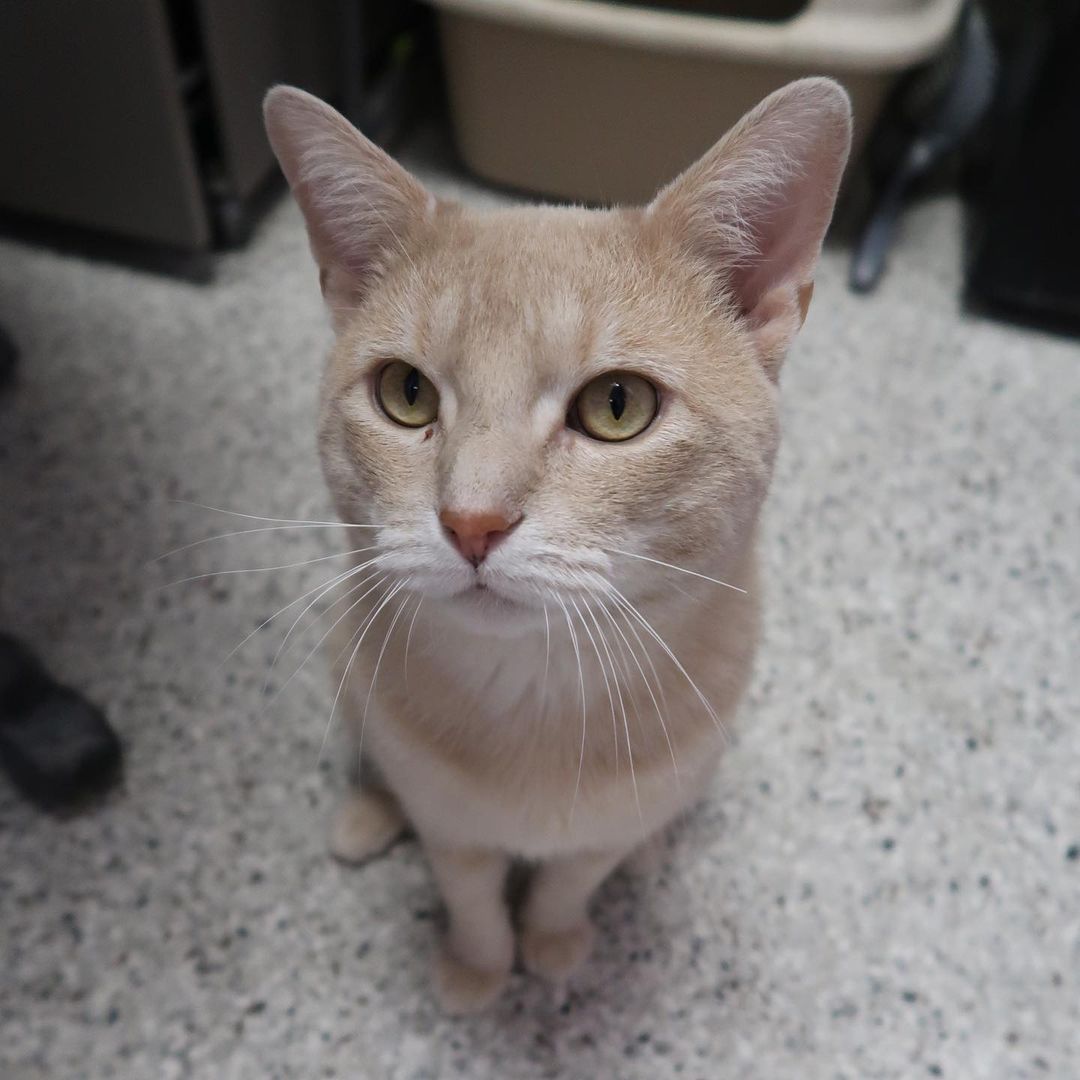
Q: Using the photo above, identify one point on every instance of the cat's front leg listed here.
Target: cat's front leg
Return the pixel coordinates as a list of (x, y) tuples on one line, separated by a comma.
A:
[(556, 934), (366, 823), (475, 959)]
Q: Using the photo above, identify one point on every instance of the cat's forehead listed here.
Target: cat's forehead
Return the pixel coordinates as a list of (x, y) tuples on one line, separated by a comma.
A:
[(547, 288), (511, 263)]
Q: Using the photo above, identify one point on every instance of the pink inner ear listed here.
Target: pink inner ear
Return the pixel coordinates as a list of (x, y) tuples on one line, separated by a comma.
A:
[(774, 321), (359, 205), (755, 208), (779, 301), (787, 221)]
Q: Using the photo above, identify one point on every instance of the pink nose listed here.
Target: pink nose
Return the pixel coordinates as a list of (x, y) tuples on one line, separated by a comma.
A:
[(474, 535)]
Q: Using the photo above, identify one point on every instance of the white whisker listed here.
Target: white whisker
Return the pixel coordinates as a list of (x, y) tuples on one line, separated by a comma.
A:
[(618, 690), (628, 676), (337, 579), (382, 603), (363, 622), (333, 625), (614, 676), (285, 640), (267, 569), (386, 641), (671, 566), (249, 532), (644, 679), (627, 606), (408, 639), (547, 656), (626, 725), (581, 680), (279, 521), (603, 672), (358, 637), (648, 660)]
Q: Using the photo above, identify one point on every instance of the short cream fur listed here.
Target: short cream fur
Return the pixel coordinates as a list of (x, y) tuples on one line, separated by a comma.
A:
[(565, 698)]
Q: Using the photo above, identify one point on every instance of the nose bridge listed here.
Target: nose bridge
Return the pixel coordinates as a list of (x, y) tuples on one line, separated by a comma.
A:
[(489, 461), (487, 467)]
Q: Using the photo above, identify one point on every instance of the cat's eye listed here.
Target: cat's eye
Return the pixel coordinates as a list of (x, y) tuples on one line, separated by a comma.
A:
[(615, 406), (407, 395)]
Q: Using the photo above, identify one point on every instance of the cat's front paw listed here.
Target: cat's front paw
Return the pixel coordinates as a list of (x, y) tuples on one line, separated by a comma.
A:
[(463, 989), (556, 954), (365, 824)]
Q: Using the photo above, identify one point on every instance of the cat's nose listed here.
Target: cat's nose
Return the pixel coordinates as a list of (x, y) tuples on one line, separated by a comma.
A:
[(474, 535)]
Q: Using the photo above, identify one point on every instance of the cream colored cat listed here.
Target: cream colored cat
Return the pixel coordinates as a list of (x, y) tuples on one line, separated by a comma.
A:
[(544, 412)]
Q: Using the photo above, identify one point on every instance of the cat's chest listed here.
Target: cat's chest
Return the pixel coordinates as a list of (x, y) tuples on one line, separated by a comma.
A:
[(532, 765), (539, 809), (535, 746)]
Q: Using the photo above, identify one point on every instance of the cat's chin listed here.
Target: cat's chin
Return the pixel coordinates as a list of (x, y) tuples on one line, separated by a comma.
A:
[(487, 611)]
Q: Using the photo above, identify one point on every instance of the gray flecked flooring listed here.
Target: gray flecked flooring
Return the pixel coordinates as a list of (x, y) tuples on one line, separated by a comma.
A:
[(885, 882)]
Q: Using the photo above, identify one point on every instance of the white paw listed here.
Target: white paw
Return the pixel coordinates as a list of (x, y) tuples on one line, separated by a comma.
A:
[(463, 989), (365, 824), (556, 954)]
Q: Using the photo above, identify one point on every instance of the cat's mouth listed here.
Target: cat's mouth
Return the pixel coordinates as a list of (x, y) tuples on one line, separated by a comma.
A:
[(483, 596), (483, 593)]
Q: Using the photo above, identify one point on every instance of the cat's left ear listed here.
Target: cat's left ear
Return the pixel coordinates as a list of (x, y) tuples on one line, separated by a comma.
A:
[(362, 209), (754, 210)]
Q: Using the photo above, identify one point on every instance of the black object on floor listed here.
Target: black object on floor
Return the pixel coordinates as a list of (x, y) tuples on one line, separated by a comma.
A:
[(955, 108), (57, 748), (1026, 266), (9, 358)]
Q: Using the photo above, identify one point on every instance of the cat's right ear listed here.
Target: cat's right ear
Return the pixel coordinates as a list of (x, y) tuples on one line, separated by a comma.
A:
[(753, 211), (361, 207)]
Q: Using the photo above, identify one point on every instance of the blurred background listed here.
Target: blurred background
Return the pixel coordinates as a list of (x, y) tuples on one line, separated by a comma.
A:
[(140, 122), (883, 883)]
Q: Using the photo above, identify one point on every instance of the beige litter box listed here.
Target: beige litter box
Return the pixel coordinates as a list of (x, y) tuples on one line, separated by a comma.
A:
[(603, 102)]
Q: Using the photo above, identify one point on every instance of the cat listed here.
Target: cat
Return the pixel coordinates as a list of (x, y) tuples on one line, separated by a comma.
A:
[(559, 425)]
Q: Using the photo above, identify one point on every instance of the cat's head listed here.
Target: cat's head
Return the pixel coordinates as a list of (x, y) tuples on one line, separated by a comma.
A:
[(519, 397)]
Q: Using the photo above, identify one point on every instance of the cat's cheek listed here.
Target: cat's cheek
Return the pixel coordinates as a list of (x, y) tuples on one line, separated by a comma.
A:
[(350, 465)]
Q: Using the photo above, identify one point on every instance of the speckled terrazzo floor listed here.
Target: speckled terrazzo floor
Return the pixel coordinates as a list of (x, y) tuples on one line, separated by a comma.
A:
[(885, 882)]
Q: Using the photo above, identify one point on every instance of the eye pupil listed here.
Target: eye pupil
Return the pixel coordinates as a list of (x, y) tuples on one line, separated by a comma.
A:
[(614, 407), (617, 400), (406, 395)]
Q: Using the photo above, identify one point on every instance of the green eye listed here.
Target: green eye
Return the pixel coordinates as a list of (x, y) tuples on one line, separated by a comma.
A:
[(406, 395), (616, 406)]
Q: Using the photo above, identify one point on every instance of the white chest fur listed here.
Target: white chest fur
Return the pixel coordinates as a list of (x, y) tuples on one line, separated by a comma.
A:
[(507, 755)]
